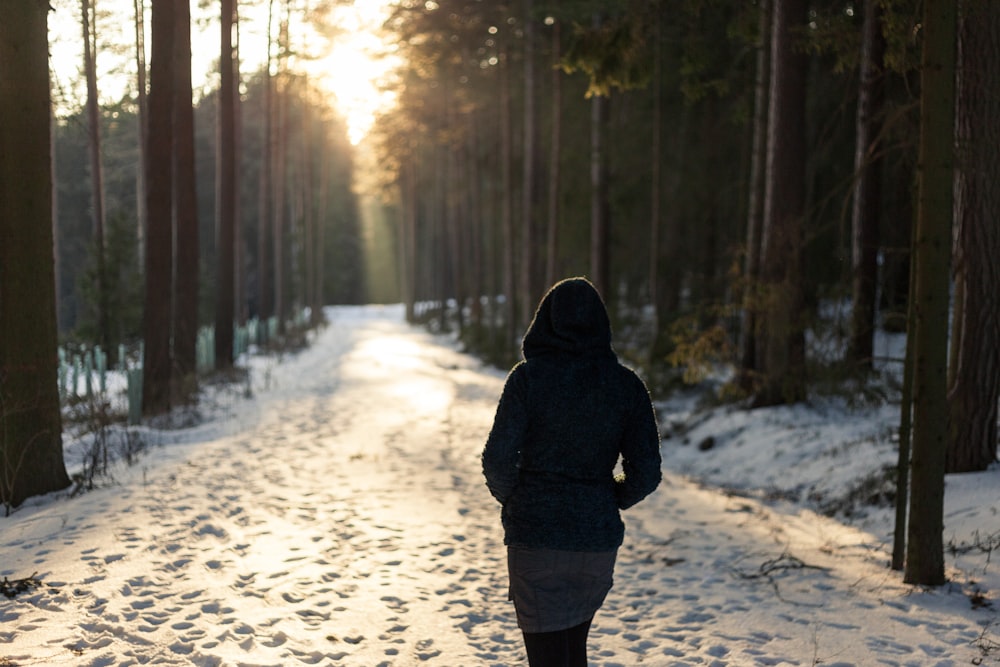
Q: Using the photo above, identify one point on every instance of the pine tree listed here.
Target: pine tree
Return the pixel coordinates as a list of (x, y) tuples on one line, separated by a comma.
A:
[(31, 455), (925, 548)]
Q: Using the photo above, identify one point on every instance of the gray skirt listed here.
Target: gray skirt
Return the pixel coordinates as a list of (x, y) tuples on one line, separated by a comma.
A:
[(555, 590)]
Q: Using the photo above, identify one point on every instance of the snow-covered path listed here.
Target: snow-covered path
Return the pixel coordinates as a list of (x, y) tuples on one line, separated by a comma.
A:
[(339, 518)]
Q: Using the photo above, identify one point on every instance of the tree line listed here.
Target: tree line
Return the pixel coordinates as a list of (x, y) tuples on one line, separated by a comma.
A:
[(726, 169), (138, 222)]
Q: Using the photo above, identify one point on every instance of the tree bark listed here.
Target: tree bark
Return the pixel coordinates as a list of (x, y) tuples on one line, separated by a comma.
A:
[(749, 364), (311, 149), (529, 241), (280, 162), (974, 394), (265, 307), (866, 210), (225, 237), (322, 214), (783, 358), (656, 178), (159, 239), (31, 454), (905, 424), (141, 127), (185, 201), (600, 208), (54, 194), (555, 174), (454, 247), (96, 172), (935, 167), (474, 211), (241, 305), (408, 237), (506, 214)]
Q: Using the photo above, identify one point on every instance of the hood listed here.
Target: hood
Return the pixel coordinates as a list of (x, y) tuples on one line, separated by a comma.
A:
[(571, 318)]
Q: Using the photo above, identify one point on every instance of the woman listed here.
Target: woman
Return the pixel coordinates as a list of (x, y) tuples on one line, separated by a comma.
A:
[(568, 412)]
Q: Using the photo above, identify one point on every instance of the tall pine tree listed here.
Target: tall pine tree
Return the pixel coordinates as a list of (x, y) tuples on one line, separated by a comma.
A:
[(31, 456), (925, 547)]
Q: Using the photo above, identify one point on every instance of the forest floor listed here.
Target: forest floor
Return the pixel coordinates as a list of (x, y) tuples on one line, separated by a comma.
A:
[(336, 514)]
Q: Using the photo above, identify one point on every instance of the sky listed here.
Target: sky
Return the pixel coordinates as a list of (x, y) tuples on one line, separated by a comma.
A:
[(332, 511), (350, 65)]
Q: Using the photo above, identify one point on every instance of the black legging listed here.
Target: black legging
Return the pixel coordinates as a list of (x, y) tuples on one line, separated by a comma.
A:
[(562, 648)]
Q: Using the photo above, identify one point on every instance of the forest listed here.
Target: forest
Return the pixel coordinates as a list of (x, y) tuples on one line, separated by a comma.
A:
[(758, 185)]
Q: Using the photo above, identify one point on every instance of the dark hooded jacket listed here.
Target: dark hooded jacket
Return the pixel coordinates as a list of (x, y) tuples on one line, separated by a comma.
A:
[(568, 412)]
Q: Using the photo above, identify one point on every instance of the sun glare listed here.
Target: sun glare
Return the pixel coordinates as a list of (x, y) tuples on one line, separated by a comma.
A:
[(351, 66), (356, 67)]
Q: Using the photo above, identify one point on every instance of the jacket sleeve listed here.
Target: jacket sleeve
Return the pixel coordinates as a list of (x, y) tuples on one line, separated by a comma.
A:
[(640, 450), (502, 453)]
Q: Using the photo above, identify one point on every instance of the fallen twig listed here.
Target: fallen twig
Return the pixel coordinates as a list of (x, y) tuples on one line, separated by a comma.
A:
[(783, 562), (986, 645), (12, 589)]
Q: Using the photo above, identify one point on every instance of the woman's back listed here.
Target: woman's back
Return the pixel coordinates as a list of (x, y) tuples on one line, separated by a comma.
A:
[(568, 412)]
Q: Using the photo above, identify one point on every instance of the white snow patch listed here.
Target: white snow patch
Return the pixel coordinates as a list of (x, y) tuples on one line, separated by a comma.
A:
[(338, 517)]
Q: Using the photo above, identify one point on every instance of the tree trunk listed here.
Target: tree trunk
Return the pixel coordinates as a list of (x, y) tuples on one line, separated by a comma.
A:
[(925, 548), (408, 237), (311, 191), (958, 314), (264, 226), (973, 396), (322, 213), (600, 208), (53, 124), (506, 215), (225, 237), (748, 374), (31, 454), (555, 175), (905, 424), (278, 184), (474, 211), (866, 211), (141, 128), (185, 198), (96, 173), (439, 255), (454, 247), (159, 239), (656, 178), (241, 305), (783, 359), (897, 242), (529, 241), (298, 226)]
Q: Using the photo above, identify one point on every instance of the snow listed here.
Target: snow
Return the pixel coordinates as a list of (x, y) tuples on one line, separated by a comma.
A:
[(337, 516)]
